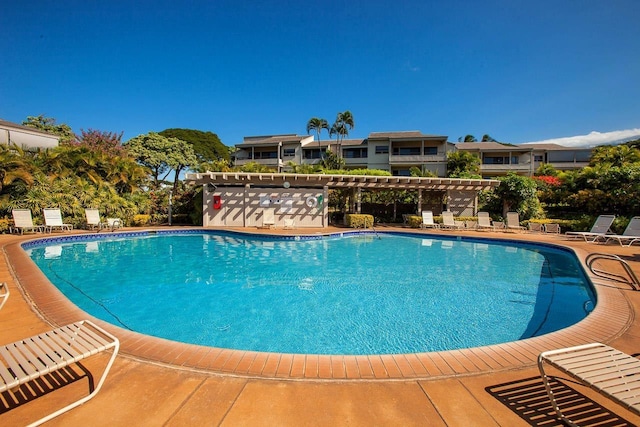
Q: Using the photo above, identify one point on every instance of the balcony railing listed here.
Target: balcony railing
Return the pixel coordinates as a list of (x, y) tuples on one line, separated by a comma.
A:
[(399, 159)]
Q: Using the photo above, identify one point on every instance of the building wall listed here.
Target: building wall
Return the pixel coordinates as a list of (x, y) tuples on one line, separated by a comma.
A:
[(245, 206), (26, 139)]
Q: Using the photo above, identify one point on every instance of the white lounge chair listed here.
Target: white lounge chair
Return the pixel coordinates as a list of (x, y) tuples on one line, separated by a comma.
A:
[(513, 222), (605, 369), (4, 294), (30, 359), (22, 221), (484, 221), (600, 228), (450, 223), (289, 224), (93, 219), (427, 220), (53, 219), (630, 235), (268, 218)]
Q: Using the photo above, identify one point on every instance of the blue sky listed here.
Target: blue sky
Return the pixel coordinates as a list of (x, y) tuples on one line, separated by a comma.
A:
[(518, 70)]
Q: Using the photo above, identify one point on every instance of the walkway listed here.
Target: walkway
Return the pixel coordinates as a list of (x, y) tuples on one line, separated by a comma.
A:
[(155, 382)]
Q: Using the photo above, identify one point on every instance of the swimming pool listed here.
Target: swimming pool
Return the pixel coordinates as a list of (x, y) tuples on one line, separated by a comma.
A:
[(354, 293)]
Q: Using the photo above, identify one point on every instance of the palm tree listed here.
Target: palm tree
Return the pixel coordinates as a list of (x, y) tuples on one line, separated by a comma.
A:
[(317, 124), (344, 122)]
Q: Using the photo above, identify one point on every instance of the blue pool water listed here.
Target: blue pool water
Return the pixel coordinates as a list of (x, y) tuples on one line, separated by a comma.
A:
[(357, 294)]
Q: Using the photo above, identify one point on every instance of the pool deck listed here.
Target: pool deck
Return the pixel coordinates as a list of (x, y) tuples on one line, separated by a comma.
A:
[(159, 382)]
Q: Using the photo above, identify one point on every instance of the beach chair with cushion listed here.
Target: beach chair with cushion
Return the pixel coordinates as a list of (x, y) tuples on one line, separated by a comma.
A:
[(600, 228), (427, 220), (32, 358), (513, 222), (93, 219), (610, 372), (23, 221), (4, 294), (484, 221), (53, 219), (630, 235), (450, 223)]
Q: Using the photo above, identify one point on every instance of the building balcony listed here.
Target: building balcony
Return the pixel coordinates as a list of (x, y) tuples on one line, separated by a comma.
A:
[(265, 162), (417, 159), (520, 167)]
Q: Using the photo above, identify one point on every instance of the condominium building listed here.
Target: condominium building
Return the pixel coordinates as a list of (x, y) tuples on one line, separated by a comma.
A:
[(399, 152)]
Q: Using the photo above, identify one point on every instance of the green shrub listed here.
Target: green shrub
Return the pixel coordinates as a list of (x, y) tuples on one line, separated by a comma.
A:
[(359, 220), (4, 225), (139, 220)]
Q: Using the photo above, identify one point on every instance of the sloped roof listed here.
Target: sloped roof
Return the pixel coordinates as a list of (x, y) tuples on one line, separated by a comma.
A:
[(412, 134), (491, 146), (271, 139)]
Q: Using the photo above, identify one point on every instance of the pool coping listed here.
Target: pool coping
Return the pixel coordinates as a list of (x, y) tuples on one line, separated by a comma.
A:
[(611, 316)]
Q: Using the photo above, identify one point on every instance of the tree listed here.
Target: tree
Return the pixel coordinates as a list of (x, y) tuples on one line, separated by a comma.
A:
[(317, 124), (468, 138), (517, 193), (341, 127), (206, 145), (48, 124), (162, 155), (14, 167), (463, 164), (615, 155), (107, 142), (487, 138)]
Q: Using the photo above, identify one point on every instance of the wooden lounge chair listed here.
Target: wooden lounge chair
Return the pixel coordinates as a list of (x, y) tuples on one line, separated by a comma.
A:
[(605, 369), (31, 358), (630, 235), (600, 228), (427, 220), (22, 221), (53, 219), (4, 294)]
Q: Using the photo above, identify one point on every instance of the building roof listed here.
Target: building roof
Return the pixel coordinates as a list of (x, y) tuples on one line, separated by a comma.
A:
[(339, 181), (555, 147), (272, 139), (7, 124), (412, 134), (491, 146)]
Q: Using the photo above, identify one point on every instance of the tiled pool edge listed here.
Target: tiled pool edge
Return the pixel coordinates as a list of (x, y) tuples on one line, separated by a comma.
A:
[(611, 318)]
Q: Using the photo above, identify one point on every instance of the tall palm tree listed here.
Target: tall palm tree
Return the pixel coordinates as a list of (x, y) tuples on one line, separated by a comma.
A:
[(344, 122), (317, 124)]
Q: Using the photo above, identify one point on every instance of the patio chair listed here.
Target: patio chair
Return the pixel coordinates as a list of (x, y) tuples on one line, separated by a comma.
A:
[(484, 221), (268, 218), (630, 235), (427, 220), (610, 372), (22, 221), (289, 224), (600, 228), (53, 219), (32, 358), (513, 222), (4, 294), (93, 219), (449, 222), (535, 227), (552, 228)]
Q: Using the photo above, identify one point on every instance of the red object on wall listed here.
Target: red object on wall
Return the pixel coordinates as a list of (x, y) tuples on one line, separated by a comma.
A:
[(217, 202)]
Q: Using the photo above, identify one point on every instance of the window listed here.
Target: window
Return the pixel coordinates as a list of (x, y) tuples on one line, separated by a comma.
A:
[(354, 153), (288, 152), (406, 151), (401, 172), (311, 154), (382, 149), (494, 160), (430, 151), (539, 158), (266, 155)]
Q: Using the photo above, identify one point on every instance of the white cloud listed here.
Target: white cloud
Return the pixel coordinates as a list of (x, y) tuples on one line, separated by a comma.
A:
[(593, 139)]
